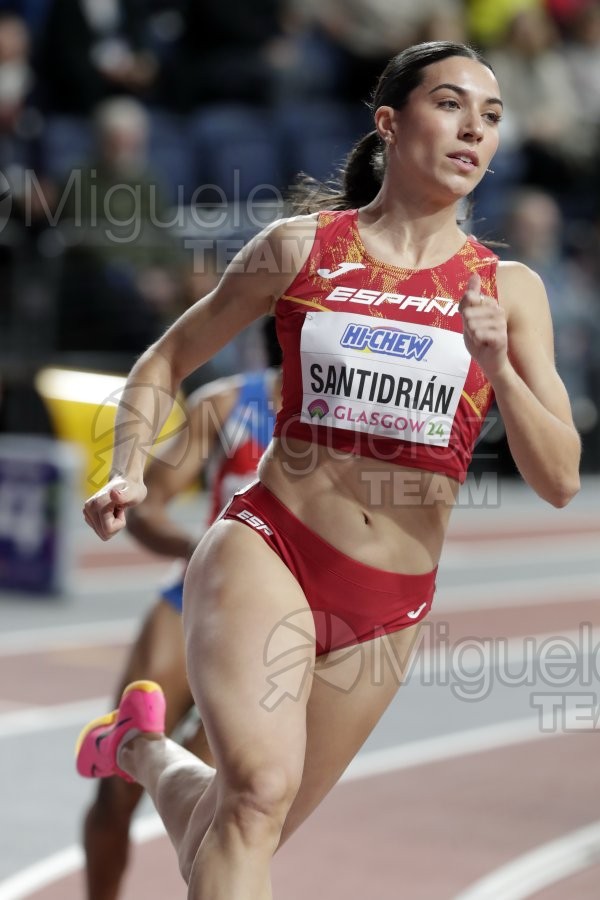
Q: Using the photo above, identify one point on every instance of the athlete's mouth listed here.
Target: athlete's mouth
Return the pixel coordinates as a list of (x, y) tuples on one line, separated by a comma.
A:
[(467, 157)]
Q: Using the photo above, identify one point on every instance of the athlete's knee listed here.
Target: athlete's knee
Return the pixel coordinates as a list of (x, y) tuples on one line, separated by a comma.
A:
[(251, 804), (256, 800)]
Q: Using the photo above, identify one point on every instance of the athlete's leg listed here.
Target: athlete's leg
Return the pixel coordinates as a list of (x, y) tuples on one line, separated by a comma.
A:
[(238, 593), (349, 695), (197, 743), (157, 654)]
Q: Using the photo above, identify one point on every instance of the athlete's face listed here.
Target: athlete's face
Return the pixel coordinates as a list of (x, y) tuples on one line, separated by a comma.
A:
[(447, 133)]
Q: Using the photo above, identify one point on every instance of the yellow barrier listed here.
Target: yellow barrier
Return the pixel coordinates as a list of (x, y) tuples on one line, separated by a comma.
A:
[(82, 406)]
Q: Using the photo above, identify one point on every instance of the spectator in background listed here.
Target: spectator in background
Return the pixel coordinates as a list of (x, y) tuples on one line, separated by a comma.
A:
[(89, 51), (359, 36), (33, 12), (488, 21), (582, 53), (543, 108), (224, 75), (228, 52), (120, 195), (114, 219), (565, 12), (16, 82), (534, 234)]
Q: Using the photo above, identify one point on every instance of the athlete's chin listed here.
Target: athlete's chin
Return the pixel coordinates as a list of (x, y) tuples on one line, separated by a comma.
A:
[(455, 189), (469, 181)]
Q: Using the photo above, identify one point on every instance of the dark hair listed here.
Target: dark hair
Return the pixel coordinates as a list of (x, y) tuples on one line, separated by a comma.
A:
[(359, 179)]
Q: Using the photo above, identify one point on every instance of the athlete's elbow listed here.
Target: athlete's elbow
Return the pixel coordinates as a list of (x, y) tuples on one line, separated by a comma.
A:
[(563, 491), (564, 482)]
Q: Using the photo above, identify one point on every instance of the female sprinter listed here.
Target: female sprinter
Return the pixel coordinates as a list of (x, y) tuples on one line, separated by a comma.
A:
[(397, 329)]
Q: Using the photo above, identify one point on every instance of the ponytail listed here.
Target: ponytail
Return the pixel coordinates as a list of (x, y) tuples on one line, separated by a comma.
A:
[(357, 183), (363, 172)]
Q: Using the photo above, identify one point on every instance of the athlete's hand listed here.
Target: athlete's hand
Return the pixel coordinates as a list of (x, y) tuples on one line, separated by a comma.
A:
[(484, 328), (105, 510)]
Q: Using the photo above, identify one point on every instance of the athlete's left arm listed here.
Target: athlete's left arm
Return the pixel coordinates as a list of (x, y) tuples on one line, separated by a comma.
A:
[(530, 395)]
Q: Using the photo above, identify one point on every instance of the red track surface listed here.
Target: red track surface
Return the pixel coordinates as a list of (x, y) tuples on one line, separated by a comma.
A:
[(421, 833)]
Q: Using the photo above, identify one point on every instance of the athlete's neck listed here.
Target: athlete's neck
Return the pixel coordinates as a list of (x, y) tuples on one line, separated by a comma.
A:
[(416, 241)]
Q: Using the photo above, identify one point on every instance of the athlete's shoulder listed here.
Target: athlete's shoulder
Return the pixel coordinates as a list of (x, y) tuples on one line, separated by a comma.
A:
[(514, 275), (520, 287), (289, 226), (279, 250)]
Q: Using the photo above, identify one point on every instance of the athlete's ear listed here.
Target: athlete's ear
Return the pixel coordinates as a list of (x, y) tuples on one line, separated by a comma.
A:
[(385, 123)]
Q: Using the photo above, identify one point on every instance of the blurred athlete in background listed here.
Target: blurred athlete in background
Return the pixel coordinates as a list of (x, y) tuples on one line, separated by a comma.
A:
[(230, 424)]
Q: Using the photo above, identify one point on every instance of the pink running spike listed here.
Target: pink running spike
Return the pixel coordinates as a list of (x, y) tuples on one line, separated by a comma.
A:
[(141, 710)]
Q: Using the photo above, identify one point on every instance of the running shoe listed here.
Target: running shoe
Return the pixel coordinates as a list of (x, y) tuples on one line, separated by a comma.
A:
[(141, 710)]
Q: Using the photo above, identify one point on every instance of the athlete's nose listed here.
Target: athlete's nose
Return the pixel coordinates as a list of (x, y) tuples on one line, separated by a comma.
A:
[(471, 126)]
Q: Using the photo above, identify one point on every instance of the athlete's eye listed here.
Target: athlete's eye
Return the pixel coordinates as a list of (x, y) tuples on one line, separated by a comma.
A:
[(448, 104), (493, 117)]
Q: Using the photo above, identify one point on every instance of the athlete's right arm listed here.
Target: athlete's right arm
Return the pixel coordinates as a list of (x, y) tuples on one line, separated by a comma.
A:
[(176, 467), (250, 287)]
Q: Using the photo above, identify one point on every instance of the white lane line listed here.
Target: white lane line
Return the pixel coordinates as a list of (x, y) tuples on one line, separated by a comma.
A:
[(458, 553), (547, 864), (59, 637), (477, 653), (446, 746), (51, 718), (560, 588), (378, 762), (455, 598), (472, 655), (127, 578), (41, 874), (64, 863), (571, 548)]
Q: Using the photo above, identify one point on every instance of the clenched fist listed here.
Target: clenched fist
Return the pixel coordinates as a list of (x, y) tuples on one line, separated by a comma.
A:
[(484, 328), (105, 510)]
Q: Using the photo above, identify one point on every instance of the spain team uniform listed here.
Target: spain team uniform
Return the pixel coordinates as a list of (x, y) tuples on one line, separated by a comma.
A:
[(374, 363)]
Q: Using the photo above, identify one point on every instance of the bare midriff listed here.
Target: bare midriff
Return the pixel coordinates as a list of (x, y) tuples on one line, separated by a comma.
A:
[(391, 517)]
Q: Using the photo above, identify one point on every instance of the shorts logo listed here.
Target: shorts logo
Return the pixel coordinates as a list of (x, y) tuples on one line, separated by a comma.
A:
[(250, 519), (341, 270), (415, 613), (388, 341), (318, 409)]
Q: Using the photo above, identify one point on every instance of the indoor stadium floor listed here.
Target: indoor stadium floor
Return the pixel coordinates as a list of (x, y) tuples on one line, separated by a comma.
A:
[(481, 782)]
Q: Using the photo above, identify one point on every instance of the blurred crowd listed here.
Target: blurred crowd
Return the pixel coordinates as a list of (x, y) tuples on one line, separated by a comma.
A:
[(142, 140)]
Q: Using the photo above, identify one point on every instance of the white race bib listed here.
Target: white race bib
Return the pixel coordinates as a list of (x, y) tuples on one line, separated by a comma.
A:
[(387, 378)]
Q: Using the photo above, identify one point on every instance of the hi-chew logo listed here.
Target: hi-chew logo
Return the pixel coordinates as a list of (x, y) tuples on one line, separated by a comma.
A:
[(386, 340)]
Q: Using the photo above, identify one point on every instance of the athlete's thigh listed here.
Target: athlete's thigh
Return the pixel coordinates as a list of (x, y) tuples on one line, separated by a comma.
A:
[(351, 690), (158, 654), (248, 667)]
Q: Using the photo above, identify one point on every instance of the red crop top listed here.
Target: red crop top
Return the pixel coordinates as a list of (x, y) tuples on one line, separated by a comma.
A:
[(374, 361)]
